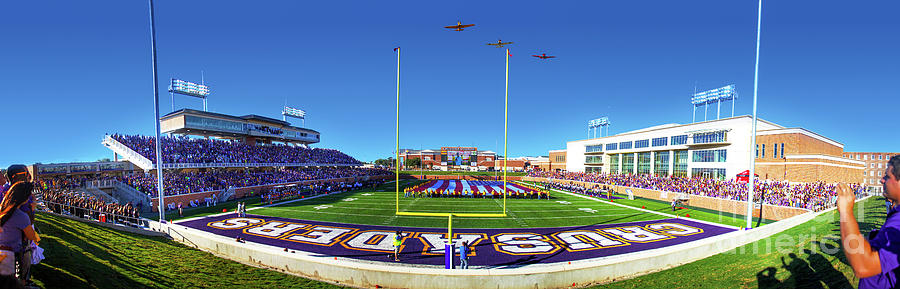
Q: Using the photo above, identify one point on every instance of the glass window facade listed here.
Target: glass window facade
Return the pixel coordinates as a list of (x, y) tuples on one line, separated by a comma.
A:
[(593, 169), (782, 150), (213, 124), (593, 159), (660, 141), (681, 163), (679, 139), (661, 164), (718, 174), (709, 137), (710, 156), (593, 148), (612, 146), (643, 163), (642, 143), (625, 145), (628, 164), (764, 151), (614, 164)]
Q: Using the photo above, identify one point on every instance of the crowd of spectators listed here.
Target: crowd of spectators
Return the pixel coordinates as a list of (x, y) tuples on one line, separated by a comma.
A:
[(88, 206), (812, 196), (213, 180), (182, 149), (281, 193)]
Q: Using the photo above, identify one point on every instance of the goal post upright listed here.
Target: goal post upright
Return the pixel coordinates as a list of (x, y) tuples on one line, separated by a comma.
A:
[(397, 151), (450, 215), (505, 132)]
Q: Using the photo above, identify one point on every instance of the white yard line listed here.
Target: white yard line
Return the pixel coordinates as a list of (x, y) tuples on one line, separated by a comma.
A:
[(611, 203), (511, 214), (394, 216)]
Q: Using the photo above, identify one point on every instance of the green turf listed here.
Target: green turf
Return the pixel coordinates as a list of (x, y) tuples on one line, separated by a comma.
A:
[(81, 255), (730, 219), (809, 256), (377, 207)]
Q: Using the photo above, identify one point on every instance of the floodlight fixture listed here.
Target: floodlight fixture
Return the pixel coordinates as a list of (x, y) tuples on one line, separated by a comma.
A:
[(293, 112), (599, 122), (178, 86), (717, 95), (189, 88)]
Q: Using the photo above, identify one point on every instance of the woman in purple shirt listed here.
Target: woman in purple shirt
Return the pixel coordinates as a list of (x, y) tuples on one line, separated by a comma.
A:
[(15, 225)]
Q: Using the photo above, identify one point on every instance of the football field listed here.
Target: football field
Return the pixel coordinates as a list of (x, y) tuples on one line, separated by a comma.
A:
[(377, 207), (564, 228)]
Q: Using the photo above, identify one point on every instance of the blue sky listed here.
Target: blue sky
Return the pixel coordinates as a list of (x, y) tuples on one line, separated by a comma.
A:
[(74, 70)]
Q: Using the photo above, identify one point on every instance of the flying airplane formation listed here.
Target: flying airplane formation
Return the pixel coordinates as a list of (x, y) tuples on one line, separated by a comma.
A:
[(499, 44)]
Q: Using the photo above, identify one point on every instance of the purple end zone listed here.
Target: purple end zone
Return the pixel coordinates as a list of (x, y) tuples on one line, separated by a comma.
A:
[(492, 247)]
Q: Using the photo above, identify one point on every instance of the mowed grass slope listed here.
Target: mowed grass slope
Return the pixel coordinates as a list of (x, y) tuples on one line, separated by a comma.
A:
[(806, 256), (82, 255), (377, 207)]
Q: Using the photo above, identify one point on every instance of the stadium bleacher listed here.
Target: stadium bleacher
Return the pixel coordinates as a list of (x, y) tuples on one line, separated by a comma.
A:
[(192, 182), (178, 149)]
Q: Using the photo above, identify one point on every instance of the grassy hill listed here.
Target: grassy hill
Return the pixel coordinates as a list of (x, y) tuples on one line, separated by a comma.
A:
[(81, 255), (806, 256)]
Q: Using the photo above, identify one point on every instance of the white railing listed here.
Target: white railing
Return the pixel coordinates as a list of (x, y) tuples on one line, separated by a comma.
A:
[(132, 156)]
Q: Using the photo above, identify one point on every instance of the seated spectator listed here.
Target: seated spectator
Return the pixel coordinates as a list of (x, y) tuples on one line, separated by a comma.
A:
[(182, 149), (16, 225), (812, 196)]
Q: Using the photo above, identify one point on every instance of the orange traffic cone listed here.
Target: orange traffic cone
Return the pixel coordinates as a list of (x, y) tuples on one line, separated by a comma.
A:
[(687, 215)]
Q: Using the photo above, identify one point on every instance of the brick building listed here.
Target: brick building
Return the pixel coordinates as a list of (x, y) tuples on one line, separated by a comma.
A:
[(451, 158), (556, 162), (717, 149), (876, 163)]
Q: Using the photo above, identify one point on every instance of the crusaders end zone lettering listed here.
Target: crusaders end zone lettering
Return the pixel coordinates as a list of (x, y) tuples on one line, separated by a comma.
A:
[(432, 243)]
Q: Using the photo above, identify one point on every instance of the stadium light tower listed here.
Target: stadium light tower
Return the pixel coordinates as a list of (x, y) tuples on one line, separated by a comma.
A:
[(717, 96), (595, 123), (295, 113), (159, 184), (187, 88), (752, 177)]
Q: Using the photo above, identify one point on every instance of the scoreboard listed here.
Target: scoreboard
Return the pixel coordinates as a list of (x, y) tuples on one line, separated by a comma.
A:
[(459, 156)]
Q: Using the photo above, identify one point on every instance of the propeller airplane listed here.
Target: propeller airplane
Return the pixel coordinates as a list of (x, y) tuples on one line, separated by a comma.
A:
[(459, 26), (500, 43), (544, 56)]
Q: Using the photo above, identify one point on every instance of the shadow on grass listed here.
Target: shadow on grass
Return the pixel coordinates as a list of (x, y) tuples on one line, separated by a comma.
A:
[(817, 269), (80, 261)]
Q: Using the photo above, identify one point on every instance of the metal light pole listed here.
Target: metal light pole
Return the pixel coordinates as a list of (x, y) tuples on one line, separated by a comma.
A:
[(506, 132), (397, 174), (159, 178), (752, 177)]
